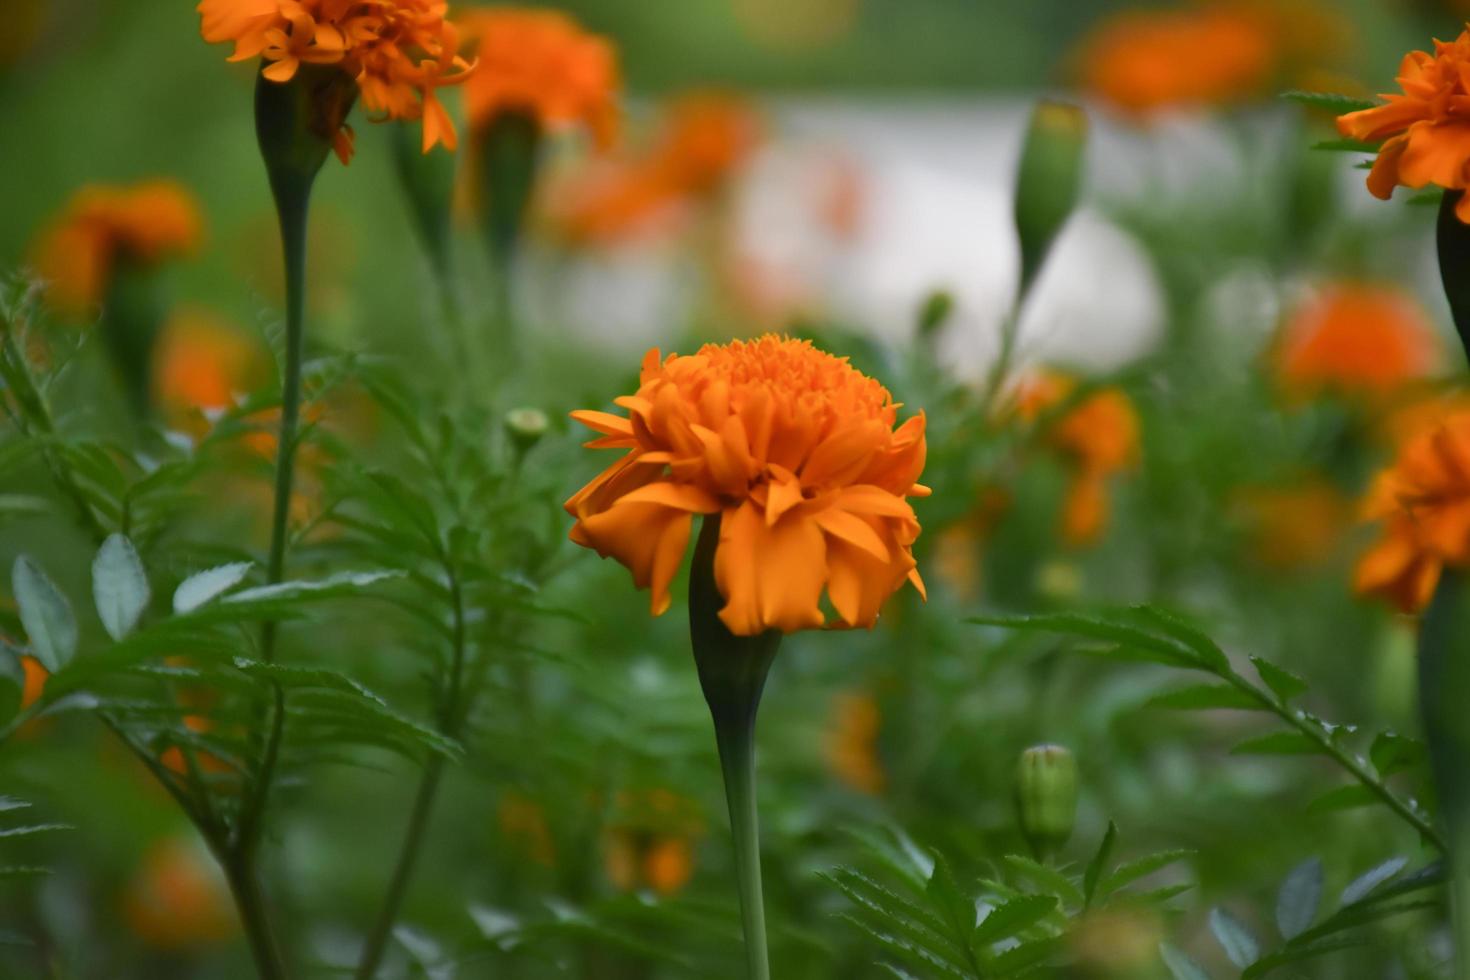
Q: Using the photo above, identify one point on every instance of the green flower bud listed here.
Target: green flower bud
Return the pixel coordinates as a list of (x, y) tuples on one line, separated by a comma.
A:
[(509, 152), (1048, 181), (937, 307), (1046, 797), (526, 426)]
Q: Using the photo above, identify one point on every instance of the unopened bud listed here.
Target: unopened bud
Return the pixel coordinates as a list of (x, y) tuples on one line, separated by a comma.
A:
[(1046, 797), (1047, 181), (937, 307), (526, 426)]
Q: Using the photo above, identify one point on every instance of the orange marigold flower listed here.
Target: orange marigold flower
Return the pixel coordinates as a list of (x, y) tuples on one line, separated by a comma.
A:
[(1296, 525), (1424, 501), (704, 139), (202, 362), (1096, 438), (1144, 61), (542, 63), (399, 51), (178, 898), (1427, 128), (103, 227), (794, 449), (35, 681), (651, 841), (1354, 338)]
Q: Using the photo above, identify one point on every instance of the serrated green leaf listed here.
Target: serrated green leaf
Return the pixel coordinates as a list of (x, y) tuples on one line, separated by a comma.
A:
[(33, 829), (1278, 743), (341, 584), (916, 955), (1233, 936), (1025, 957), (1094, 871), (1049, 878), (955, 908), (1126, 874), (1206, 650), (45, 614), (895, 912), (1180, 965), (1298, 898), (1331, 101), (203, 586), (1013, 917), (1393, 753), (1140, 644), (1205, 696), (119, 586), (1283, 683), (1367, 882), (1343, 798)]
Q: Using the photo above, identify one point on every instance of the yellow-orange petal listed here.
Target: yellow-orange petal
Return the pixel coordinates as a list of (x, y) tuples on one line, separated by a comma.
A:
[(771, 577)]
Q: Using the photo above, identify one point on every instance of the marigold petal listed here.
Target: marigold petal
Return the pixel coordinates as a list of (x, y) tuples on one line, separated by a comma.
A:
[(853, 530), (771, 577)]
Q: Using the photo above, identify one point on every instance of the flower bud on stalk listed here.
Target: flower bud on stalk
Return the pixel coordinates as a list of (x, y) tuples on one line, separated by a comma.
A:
[(1047, 182), (525, 427), (1046, 797), (132, 313)]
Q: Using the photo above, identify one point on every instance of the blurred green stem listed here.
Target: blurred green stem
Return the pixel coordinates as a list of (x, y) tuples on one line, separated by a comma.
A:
[(451, 714), (732, 673)]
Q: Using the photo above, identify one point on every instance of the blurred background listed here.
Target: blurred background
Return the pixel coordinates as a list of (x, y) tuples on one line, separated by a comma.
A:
[(1263, 332)]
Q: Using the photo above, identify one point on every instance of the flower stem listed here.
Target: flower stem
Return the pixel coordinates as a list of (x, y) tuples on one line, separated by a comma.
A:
[(732, 673), (423, 804), (250, 901), (737, 762)]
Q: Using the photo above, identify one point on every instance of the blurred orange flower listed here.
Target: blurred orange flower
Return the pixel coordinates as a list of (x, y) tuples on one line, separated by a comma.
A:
[(851, 742), (797, 452), (1097, 438), (103, 227), (705, 138), (35, 681), (178, 899), (1427, 128), (202, 362), (651, 842), (399, 52), (1143, 61), (542, 63), (1354, 338), (1423, 500), (523, 822), (1212, 53), (1295, 525)]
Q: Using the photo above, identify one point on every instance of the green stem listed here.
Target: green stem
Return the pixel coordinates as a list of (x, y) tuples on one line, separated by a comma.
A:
[(250, 901), (737, 762), (451, 714), (1346, 760), (732, 672)]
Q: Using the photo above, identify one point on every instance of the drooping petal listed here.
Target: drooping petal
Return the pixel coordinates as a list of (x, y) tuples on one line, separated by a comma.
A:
[(771, 577)]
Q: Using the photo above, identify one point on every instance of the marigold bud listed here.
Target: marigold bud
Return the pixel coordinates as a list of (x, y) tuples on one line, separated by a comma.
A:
[(526, 426), (935, 312), (1047, 181), (1046, 797), (427, 180)]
